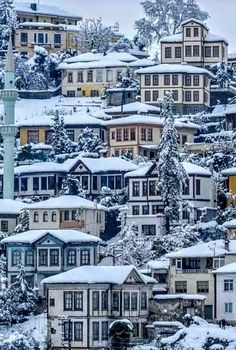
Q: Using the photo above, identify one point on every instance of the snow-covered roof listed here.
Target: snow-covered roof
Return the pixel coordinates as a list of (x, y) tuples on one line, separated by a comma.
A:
[(230, 108), (10, 206), (148, 279), (159, 264), (143, 62), (229, 171), (67, 27), (133, 107), (47, 10), (151, 120), (92, 57), (230, 224), (229, 268), (94, 64), (108, 164), (168, 324), (65, 236), (192, 19), (209, 249), (95, 274), (178, 38), (179, 296), (173, 68), (66, 202)]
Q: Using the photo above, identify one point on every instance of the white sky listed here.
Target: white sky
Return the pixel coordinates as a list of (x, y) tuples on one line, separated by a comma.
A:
[(222, 12)]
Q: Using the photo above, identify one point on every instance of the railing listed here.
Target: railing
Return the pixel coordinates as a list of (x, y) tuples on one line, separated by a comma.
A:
[(192, 271)]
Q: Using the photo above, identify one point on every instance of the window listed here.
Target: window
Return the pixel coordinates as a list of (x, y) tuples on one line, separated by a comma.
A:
[(185, 190), (66, 215), (52, 302), (149, 230), (67, 330), (216, 51), (155, 79), (104, 330), (68, 301), (54, 216), (118, 182), (166, 79), (196, 51), (178, 52), (126, 134), (149, 134), (70, 77), (35, 183), (15, 257), (95, 183), (104, 300), (54, 257), (134, 301), (126, 301), (132, 134), (184, 139), (228, 285), (136, 188), (71, 134), (143, 134), (155, 95), (115, 301), (78, 331), (24, 184), (95, 301), (181, 287), (228, 308), (154, 209), (145, 209), (78, 301), (85, 257), (196, 80), (45, 216), (85, 182), (188, 80), (202, 287), (24, 38), (175, 95), (43, 257), (188, 51), (36, 216), (4, 226), (90, 76), (71, 257), (205, 97), (175, 79), (94, 93), (57, 38), (196, 96), (99, 76), (143, 300), (44, 183), (119, 135), (188, 96), (71, 93), (207, 51), (152, 188), (147, 95), (32, 136), (147, 80), (109, 76), (95, 331), (168, 52), (41, 38), (195, 32), (218, 262), (188, 32), (198, 187), (80, 77), (29, 258), (135, 210), (16, 184)]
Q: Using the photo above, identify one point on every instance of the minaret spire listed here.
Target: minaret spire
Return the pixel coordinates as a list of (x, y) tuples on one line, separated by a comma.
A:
[(10, 67)]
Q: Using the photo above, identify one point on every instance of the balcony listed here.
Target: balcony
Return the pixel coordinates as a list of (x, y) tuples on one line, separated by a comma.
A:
[(193, 271), (72, 224)]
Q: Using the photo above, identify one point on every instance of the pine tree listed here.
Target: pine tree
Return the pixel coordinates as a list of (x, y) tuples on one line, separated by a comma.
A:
[(8, 22), (90, 143), (19, 299), (61, 144), (19, 341), (71, 186), (223, 72), (108, 198), (171, 174), (23, 222)]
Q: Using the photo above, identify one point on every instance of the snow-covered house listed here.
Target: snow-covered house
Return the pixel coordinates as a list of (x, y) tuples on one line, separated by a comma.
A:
[(158, 269), (48, 252), (194, 45), (92, 297), (141, 134), (189, 85), (68, 212), (191, 270), (225, 284), (145, 206), (9, 213), (132, 108), (45, 179)]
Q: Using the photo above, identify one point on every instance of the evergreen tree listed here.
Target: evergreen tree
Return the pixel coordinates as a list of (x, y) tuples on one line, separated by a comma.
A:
[(19, 300), (23, 222), (108, 198), (8, 22), (223, 72), (128, 79), (171, 174), (71, 186), (122, 45), (18, 341), (61, 144), (90, 143)]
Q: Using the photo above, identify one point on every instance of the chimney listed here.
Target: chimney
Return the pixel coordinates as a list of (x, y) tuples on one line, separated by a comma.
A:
[(33, 6)]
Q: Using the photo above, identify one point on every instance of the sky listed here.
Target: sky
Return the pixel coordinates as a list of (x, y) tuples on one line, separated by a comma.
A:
[(125, 12)]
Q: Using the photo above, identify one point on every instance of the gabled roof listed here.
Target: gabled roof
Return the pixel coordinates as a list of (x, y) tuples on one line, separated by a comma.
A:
[(96, 274), (10, 206), (65, 236), (229, 268), (174, 68), (91, 57), (201, 23)]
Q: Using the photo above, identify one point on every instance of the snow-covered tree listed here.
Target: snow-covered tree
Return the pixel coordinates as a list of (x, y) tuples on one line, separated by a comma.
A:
[(122, 45), (61, 144), (128, 79), (131, 247), (171, 174), (223, 72), (19, 299), (120, 332), (8, 22), (71, 186), (23, 222), (22, 71), (18, 341), (164, 18), (93, 35), (108, 198), (90, 143)]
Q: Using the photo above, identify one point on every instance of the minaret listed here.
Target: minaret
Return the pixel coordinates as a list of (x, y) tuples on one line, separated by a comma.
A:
[(8, 130)]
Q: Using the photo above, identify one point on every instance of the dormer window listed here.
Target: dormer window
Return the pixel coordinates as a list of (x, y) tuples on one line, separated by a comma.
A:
[(188, 32), (196, 32)]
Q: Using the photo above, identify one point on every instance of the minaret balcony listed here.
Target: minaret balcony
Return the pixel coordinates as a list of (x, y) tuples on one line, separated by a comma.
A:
[(11, 94), (8, 130)]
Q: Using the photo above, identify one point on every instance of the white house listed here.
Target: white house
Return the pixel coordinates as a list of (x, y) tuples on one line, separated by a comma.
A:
[(225, 286), (9, 213), (68, 212), (92, 297), (48, 252)]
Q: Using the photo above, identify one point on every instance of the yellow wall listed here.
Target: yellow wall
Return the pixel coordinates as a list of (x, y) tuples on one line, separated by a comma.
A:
[(232, 184), (24, 134)]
